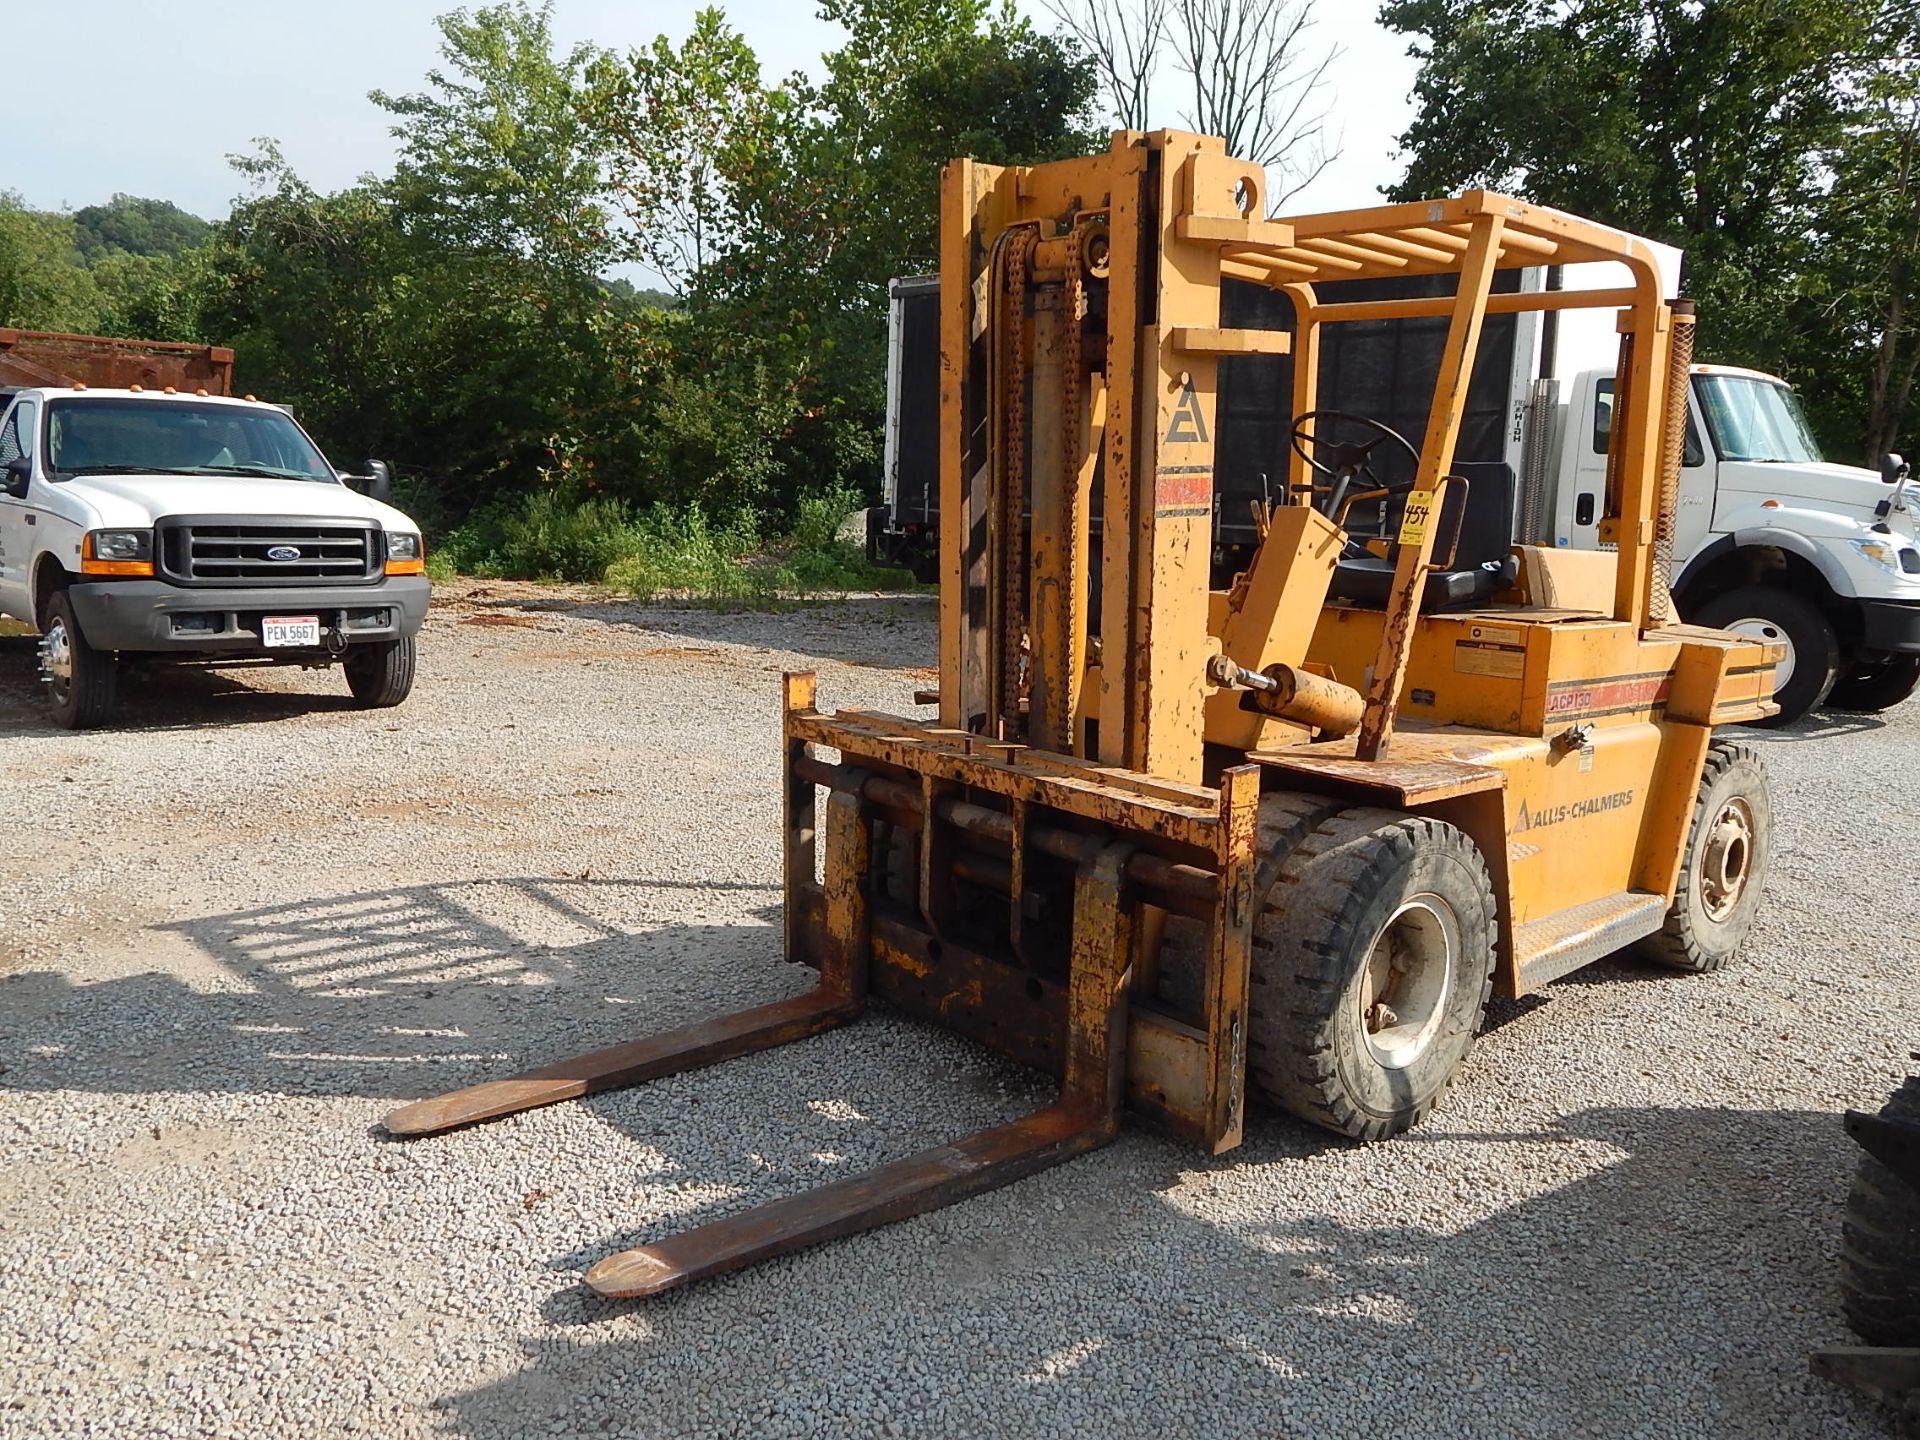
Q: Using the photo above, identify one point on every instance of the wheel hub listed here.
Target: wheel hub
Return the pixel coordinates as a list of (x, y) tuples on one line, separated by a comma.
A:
[(1758, 629), (1408, 981), (56, 658), (1726, 860)]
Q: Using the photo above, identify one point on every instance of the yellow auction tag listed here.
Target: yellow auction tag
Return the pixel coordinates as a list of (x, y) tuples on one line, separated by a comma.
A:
[(1413, 519)]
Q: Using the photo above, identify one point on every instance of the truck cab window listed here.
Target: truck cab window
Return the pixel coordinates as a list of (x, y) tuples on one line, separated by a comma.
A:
[(10, 447), (1756, 418), (1693, 454)]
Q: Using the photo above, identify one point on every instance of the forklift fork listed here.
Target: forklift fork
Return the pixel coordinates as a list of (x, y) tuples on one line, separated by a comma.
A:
[(1086, 1114)]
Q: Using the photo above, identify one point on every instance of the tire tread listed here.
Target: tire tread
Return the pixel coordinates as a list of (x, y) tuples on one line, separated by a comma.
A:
[(1676, 944), (1315, 887), (1880, 1243)]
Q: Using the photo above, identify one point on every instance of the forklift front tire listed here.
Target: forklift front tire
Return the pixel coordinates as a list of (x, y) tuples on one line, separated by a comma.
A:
[(1724, 869), (1372, 967)]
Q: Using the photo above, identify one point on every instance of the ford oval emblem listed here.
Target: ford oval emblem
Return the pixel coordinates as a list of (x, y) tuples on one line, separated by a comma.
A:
[(283, 552)]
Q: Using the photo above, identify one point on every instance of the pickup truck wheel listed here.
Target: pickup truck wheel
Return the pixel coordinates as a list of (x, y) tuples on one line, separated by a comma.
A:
[(1724, 869), (1372, 967), (380, 675), (1802, 680), (81, 681), (1877, 686)]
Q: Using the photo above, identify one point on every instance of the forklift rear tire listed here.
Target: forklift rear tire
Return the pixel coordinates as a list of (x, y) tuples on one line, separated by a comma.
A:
[(1766, 612), (1729, 842), (1878, 685), (1372, 967), (1880, 1243), (380, 675)]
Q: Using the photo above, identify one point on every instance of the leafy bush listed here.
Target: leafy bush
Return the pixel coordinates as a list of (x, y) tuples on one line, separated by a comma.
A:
[(543, 536), (683, 553), (664, 552)]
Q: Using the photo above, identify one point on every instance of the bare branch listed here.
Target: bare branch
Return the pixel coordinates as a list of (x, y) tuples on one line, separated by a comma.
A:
[(1124, 38), (1256, 86)]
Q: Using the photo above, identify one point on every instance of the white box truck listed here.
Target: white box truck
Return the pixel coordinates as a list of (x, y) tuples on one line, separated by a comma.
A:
[(1771, 540)]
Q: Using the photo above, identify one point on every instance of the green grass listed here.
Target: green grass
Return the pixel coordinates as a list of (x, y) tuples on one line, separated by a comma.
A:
[(662, 553)]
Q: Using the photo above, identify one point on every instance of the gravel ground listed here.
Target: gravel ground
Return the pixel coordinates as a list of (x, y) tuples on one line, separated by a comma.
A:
[(238, 929)]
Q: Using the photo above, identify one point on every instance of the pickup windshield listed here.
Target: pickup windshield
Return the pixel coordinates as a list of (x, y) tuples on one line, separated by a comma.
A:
[(178, 437), (1756, 420)]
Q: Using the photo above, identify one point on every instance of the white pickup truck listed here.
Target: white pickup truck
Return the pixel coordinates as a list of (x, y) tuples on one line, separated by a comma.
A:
[(198, 528)]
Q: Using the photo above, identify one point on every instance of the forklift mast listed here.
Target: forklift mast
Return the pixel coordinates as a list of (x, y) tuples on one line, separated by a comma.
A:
[(1080, 345)]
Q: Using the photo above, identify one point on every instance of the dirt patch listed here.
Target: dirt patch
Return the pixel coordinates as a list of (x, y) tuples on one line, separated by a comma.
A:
[(495, 619)]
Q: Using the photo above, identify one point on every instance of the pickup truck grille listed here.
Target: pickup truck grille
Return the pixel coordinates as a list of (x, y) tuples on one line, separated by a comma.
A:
[(220, 552)]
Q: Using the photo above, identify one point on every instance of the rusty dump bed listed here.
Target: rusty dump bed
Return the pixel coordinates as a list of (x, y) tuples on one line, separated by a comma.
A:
[(44, 357), (1129, 769)]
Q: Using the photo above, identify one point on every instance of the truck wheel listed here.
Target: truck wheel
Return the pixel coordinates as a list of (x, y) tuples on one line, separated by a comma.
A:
[(81, 681), (380, 675), (1372, 965), (1878, 686), (1803, 679), (1729, 842), (1880, 1243)]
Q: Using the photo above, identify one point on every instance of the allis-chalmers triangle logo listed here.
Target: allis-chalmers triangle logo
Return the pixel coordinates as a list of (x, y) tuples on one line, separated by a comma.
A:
[(1572, 810), (1189, 425)]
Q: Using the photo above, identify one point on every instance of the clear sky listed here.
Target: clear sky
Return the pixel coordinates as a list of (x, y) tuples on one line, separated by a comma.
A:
[(151, 98)]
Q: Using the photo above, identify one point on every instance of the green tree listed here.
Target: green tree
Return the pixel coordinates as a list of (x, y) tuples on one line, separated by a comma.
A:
[(1863, 289), (131, 225), (1702, 123), (845, 194), (43, 285), (498, 154), (679, 126)]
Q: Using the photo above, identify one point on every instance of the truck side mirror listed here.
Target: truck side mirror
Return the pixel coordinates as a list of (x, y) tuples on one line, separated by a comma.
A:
[(1892, 469), (379, 480), (17, 473)]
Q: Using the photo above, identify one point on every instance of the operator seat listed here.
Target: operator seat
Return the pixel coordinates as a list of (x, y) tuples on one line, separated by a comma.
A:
[(1484, 563)]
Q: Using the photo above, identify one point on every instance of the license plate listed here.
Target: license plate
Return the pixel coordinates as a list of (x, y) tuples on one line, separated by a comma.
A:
[(277, 631)]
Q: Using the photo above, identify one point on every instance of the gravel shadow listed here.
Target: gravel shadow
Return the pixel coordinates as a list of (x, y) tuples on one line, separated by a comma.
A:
[(158, 696), (1672, 1281), (395, 993)]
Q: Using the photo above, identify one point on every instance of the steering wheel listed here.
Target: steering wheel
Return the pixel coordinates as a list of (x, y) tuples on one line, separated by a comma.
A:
[(1349, 461)]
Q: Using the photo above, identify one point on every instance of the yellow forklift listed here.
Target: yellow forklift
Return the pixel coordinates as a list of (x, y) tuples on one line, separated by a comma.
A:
[(1170, 842)]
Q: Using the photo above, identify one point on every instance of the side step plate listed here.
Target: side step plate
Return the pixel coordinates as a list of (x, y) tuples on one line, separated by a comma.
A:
[(688, 1048), (905, 1188), (1562, 942)]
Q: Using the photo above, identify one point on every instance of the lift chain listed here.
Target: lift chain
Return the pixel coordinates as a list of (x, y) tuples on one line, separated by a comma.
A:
[(1068, 656), (1013, 500)]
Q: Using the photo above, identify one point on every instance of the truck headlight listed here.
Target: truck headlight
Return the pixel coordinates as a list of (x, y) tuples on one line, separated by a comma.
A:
[(1884, 553), (405, 554), (117, 552)]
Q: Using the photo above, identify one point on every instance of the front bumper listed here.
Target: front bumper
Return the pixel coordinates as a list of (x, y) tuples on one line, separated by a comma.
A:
[(151, 615), (1890, 625)]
